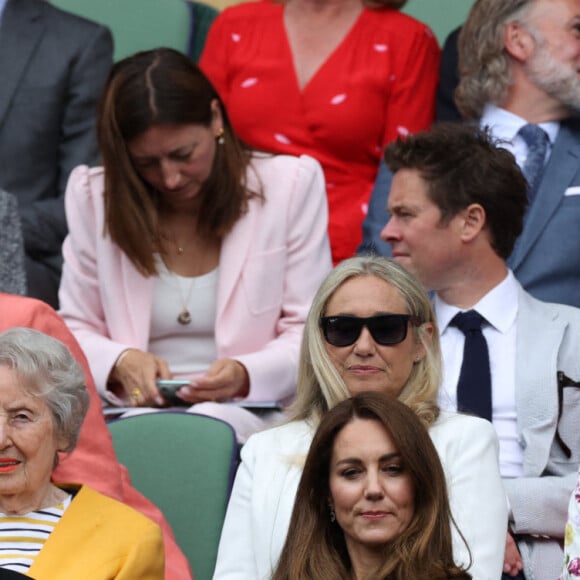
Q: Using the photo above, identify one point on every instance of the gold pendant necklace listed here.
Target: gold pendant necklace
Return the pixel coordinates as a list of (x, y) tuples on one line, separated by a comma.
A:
[(184, 317)]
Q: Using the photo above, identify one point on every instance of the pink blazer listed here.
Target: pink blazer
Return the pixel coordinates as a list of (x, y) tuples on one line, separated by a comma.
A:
[(271, 264)]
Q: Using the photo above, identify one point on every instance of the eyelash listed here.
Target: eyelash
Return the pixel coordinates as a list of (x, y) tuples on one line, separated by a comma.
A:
[(390, 469), (183, 157), (21, 417)]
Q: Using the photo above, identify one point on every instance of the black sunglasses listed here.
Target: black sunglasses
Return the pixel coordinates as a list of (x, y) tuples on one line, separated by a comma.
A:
[(386, 329)]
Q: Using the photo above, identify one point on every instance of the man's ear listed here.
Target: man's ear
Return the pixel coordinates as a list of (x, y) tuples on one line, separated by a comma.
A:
[(473, 222), (518, 42)]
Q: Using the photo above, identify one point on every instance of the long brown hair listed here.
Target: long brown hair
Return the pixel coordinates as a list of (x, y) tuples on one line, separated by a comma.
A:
[(158, 87), (315, 547)]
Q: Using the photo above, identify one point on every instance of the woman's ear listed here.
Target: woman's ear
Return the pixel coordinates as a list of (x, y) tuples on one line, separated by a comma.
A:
[(331, 512), (217, 119), (427, 336), (62, 443)]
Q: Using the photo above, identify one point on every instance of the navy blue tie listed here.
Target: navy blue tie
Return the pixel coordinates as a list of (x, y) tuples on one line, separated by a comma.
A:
[(537, 141), (474, 386)]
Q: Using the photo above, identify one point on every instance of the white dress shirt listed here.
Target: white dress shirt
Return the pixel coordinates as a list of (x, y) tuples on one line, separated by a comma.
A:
[(504, 126), (499, 307)]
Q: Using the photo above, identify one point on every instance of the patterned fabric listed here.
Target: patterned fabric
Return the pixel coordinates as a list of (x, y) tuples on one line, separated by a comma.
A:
[(22, 537), (378, 83), (12, 272), (572, 537), (537, 141)]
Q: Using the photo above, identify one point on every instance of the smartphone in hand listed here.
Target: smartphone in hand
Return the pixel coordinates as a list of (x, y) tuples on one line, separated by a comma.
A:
[(169, 387)]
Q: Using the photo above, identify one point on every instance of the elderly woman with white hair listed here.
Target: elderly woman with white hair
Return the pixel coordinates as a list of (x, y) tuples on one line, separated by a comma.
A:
[(371, 327), (49, 531)]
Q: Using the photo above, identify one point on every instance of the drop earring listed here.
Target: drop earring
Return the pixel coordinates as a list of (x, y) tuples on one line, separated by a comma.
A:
[(332, 512), (220, 136)]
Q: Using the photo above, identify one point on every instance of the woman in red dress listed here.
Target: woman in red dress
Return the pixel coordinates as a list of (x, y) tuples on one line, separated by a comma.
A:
[(334, 79)]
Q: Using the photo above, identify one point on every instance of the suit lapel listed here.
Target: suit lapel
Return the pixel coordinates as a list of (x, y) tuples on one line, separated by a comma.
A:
[(138, 290), (21, 31), (536, 368), (562, 166), (81, 520), (235, 249)]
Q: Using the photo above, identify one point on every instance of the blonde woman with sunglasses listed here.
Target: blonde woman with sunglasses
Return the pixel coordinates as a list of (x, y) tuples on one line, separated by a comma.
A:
[(371, 327)]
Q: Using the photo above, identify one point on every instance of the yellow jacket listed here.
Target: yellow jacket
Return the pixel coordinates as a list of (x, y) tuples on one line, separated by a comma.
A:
[(99, 538)]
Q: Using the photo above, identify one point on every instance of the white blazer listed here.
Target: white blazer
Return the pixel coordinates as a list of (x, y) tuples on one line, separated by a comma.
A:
[(260, 507), (271, 265)]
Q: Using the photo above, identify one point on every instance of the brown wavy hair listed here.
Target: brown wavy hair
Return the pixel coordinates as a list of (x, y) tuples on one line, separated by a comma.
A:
[(315, 547), (163, 87), (462, 164)]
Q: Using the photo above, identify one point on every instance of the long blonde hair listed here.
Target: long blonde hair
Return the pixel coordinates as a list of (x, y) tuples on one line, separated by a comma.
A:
[(320, 386)]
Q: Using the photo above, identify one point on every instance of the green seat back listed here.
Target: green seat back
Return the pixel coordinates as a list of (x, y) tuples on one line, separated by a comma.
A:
[(202, 17), (442, 16), (137, 24), (184, 463)]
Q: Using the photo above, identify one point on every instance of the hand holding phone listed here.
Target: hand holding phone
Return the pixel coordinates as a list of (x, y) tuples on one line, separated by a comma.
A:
[(169, 387)]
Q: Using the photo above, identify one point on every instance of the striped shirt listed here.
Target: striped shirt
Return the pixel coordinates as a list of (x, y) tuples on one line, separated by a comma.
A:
[(23, 536)]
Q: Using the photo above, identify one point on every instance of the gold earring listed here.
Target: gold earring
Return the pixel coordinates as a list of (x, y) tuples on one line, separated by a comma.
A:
[(220, 136)]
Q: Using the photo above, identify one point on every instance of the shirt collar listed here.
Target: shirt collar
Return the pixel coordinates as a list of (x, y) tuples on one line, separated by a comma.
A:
[(499, 306), (505, 125)]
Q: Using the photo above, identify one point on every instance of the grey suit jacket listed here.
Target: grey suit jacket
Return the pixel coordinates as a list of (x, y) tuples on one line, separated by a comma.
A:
[(52, 69), (548, 341), (546, 257)]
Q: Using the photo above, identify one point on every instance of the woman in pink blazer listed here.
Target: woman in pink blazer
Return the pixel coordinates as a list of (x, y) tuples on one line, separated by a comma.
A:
[(189, 256)]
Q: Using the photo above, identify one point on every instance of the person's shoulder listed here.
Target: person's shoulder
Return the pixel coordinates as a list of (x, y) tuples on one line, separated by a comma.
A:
[(572, 124), (111, 509), (18, 310), (460, 425), (251, 13), (398, 22), (531, 306), (86, 179), (268, 162), (74, 23), (293, 436)]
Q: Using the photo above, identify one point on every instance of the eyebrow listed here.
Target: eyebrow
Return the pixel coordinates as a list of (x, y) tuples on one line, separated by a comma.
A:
[(402, 205), (177, 151), (378, 313), (357, 461)]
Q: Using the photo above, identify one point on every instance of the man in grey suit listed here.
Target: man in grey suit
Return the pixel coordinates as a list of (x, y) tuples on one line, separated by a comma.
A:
[(457, 206), (519, 63), (52, 69)]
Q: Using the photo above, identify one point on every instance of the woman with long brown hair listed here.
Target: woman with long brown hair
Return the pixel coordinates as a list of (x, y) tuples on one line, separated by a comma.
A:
[(372, 501), (189, 256)]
